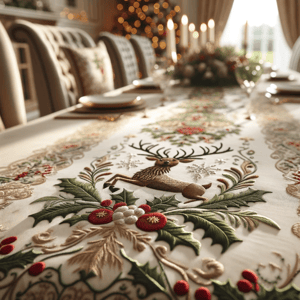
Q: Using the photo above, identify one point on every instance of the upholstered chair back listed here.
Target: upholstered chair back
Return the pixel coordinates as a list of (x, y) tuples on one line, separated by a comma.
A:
[(295, 58), (145, 54), (123, 58), (55, 84), (12, 106)]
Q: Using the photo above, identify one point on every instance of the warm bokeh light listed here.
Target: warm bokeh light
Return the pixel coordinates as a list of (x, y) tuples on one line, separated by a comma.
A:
[(136, 4), (121, 20), (120, 6), (137, 23), (192, 27), (145, 8), (155, 39), (160, 27), (162, 45), (148, 19), (172, 13), (177, 8), (156, 6), (131, 9)]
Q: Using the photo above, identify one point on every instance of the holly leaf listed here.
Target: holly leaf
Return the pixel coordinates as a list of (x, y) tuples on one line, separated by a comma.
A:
[(124, 196), (75, 219), (84, 191), (218, 230), (148, 277), (234, 200), (47, 199), (60, 210), (225, 291), (163, 203), (288, 293), (17, 260), (174, 235)]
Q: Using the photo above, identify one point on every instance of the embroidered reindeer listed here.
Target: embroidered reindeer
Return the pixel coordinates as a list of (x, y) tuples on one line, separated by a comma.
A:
[(155, 177)]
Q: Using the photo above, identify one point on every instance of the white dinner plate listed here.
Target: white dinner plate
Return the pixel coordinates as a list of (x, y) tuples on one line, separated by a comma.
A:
[(276, 76), (101, 101)]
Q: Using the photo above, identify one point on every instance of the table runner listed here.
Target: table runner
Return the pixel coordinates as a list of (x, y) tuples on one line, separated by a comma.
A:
[(205, 190)]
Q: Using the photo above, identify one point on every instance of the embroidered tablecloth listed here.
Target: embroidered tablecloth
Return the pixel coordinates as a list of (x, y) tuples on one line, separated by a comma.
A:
[(197, 201)]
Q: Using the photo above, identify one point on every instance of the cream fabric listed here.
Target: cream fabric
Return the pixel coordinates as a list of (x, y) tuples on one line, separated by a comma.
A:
[(55, 84), (12, 106), (92, 69), (289, 11), (218, 10)]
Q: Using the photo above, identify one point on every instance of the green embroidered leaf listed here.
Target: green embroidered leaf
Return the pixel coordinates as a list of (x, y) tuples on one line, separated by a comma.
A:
[(60, 210), (288, 293), (234, 200), (225, 291), (174, 235), (84, 191), (148, 277), (218, 230), (163, 203), (124, 196), (75, 219), (250, 219), (46, 199), (17, 260)]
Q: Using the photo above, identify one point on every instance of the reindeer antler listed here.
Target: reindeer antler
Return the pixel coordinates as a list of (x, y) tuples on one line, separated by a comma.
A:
[(206, 151), (149, 148), (157, 154)]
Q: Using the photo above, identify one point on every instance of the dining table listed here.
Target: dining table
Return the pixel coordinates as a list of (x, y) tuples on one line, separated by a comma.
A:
[(196, 197)]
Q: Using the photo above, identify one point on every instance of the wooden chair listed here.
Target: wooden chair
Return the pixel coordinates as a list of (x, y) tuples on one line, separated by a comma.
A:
[(55, 84), (123, 58), (12, 106), (145, 54)]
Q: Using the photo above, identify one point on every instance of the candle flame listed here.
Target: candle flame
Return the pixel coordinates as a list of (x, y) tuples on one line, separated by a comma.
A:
[(184, 20), (195, 34), (211, 23), (170, 24), (192, 27), (203, 27), (174, 57)]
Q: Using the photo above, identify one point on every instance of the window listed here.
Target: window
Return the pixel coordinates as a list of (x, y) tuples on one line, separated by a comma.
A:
[(265, 36)]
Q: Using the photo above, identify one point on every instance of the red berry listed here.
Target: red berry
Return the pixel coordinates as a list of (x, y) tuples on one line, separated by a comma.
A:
[(37, 268), (6, 249), (256, 287), (145, 207), (250, 275), (8, 240), (181, 287), (106, 202), (100, 216), (118, 205), (151, 222), (244, 286), (202, 293)]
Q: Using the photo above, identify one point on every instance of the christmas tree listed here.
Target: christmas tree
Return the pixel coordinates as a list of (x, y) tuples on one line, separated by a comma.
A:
[(147, 18)]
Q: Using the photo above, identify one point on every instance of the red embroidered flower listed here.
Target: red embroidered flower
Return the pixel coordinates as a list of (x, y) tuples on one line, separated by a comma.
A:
[(8, 240), (244, 286), (106, 202), (250, 275), (181, 287), (119, 205), (189, 130), (145, 207), (100, 216), (6, 249), (37, 268), (151, 222), (202, 293)]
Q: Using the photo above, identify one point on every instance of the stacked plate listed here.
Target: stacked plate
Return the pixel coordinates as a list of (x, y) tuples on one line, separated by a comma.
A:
[(277, 76), (284, 89), (123, 102)]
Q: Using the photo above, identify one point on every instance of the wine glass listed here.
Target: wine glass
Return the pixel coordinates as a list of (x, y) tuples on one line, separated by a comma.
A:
[(247, 75)]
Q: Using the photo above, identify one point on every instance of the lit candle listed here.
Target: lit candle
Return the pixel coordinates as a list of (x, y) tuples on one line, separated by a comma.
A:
[(184, 32), (195, 41), (191, 30), (171, 41), (246, 36), (174, 57), (211, 25), (203, 29)]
